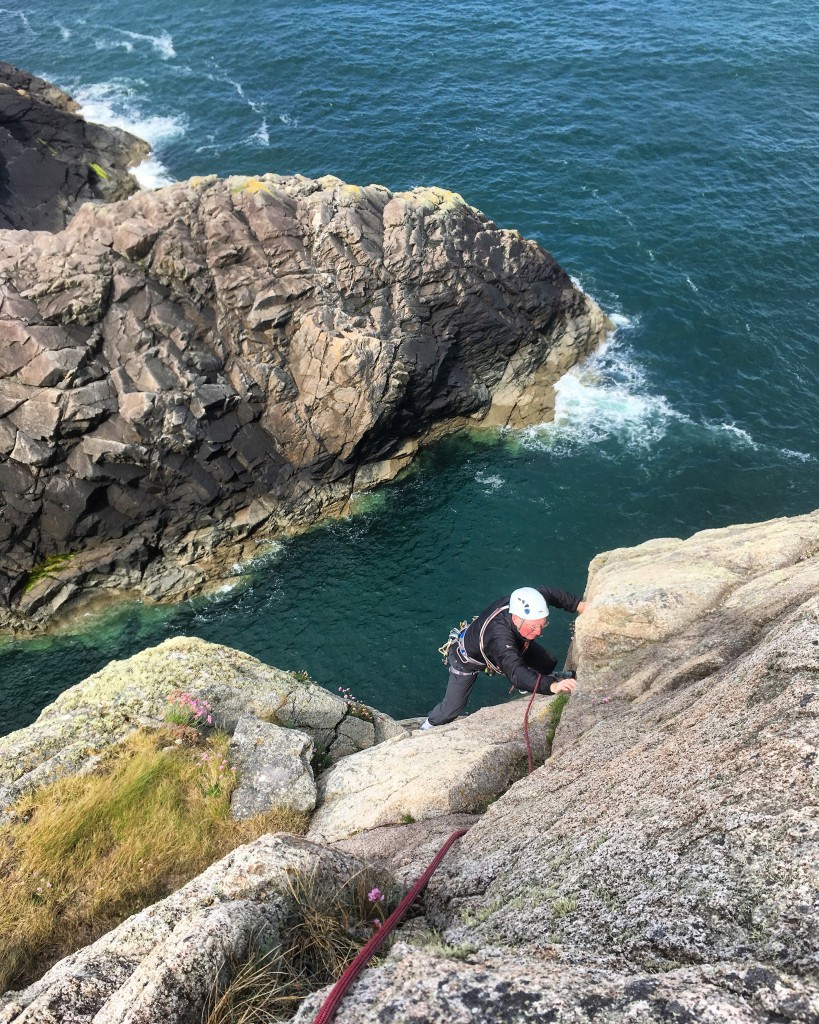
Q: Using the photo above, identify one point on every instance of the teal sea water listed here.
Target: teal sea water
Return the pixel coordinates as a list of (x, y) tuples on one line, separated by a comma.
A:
[(665, 153)]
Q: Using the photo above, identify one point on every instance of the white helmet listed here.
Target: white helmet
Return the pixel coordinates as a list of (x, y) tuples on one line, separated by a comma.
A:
[(528, 603)]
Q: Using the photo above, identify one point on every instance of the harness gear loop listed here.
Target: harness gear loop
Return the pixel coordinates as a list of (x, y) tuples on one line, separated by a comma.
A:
[(454, 638)]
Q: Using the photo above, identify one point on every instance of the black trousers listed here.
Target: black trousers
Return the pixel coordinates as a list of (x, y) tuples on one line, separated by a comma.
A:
[(462, 679)]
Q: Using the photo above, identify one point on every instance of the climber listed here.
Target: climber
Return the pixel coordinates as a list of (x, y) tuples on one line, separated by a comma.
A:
[(501, 640)]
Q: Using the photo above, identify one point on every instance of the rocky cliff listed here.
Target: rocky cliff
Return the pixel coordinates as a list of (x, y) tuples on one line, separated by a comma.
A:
[(191, 369), (51, 159), (662, 865)]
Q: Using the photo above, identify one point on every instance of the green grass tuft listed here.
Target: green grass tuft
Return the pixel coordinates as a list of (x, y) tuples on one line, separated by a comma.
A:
[(555, 711), (46, 568)]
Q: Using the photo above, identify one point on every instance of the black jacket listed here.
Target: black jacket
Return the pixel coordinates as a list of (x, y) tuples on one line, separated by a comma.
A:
[(503, 646)]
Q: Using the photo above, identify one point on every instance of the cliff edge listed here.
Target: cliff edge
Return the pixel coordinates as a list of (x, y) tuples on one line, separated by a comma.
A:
[(190, 370)]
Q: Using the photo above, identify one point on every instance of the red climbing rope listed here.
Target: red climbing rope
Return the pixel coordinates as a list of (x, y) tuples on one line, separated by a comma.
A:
[(526, 724), (331, 1003)]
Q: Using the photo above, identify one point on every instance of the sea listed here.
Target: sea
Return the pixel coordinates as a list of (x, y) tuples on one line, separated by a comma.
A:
[(665, 153)]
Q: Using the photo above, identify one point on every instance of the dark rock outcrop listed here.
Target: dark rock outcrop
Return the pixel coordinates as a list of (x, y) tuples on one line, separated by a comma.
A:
[(51, 160), (190, 369)]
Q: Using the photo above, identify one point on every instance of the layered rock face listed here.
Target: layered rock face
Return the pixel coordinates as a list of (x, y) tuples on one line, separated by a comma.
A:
[(190, 369), (51, 160)]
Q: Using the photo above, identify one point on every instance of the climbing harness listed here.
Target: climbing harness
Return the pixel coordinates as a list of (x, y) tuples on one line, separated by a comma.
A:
[(333, 1000), (456, 639)]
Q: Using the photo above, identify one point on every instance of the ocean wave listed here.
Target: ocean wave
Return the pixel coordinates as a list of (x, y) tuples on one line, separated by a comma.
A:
[(608, 396), (604, 397), (116, 103), (789, 453)]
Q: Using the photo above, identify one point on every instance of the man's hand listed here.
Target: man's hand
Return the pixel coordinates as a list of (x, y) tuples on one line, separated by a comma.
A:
[(581, 607), (564, 686)]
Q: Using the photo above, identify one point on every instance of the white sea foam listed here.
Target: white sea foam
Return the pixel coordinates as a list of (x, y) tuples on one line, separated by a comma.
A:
[(789, 453), (114, 44), (114, 103), (291, 122), (261, 135), (492, 481), (735, 433), (606, 396), (163, 43), (65, 33), (691, 285)]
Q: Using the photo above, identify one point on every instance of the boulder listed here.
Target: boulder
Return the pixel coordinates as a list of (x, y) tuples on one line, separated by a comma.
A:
[(161, 964), (405, 850), (126, 695), (458, 768), (274, 770), (54, 160), (220, 361)]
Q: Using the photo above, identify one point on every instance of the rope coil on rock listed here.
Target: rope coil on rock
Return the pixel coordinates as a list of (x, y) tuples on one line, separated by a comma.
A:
[(331, 1003)]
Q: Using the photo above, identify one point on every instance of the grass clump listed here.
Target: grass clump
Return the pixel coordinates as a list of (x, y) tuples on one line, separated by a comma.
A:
[(555, 711), (45, 568), (86, 852), (325, 934)]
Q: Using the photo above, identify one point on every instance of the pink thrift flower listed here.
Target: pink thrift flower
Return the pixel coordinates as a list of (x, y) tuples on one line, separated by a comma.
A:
[(374, 895)]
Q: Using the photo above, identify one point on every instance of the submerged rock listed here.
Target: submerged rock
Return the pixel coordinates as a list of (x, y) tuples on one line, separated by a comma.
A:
[(187, 372), (54, 160)]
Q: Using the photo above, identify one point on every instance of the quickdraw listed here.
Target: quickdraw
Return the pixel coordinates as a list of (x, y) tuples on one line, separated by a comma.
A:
[(455, 637)]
